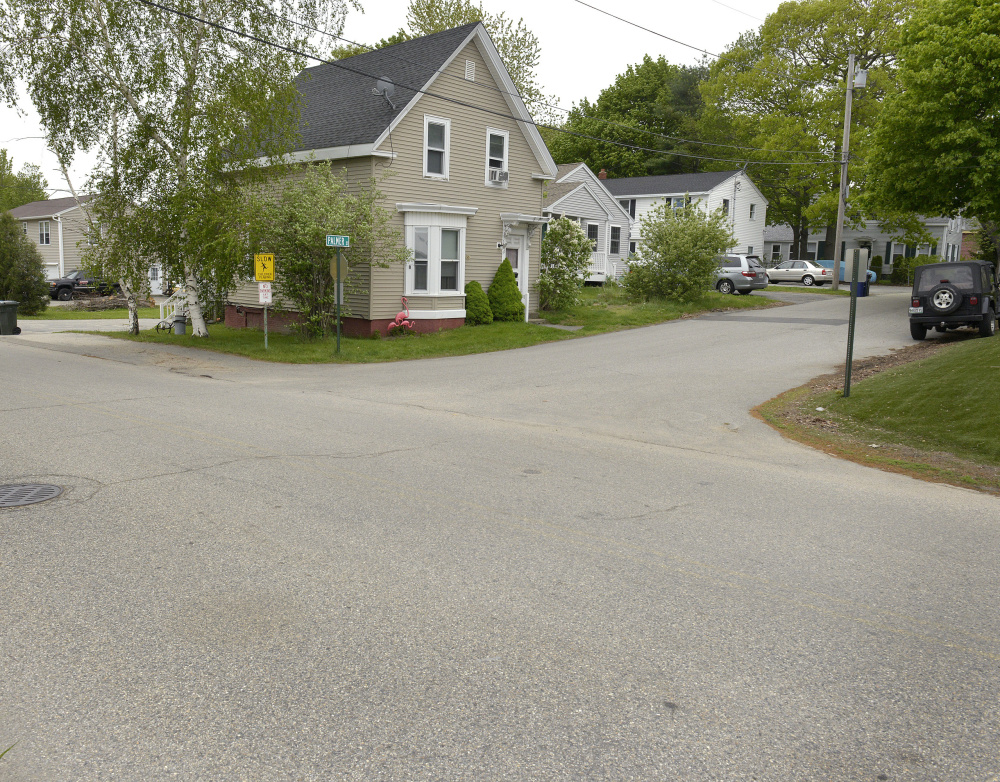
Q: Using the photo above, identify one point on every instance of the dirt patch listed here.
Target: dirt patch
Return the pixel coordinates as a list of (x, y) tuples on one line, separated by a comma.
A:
[(795, 414)]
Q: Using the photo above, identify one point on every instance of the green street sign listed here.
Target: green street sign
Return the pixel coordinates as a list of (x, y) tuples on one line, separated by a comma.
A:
[(338, 241)]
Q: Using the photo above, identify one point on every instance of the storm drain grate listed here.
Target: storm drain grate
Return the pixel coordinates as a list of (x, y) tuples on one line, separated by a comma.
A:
[(15, 494)]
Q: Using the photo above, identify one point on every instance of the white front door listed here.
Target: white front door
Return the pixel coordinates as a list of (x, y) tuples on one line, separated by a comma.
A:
[(517, 253)]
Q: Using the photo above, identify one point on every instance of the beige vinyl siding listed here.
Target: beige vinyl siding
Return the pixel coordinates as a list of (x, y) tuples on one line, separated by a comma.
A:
[(75, 230), (358, 172), (74, 236), (466, 184)]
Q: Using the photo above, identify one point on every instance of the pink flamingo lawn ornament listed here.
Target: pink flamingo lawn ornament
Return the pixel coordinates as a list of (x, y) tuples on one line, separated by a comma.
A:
[(401, 322)]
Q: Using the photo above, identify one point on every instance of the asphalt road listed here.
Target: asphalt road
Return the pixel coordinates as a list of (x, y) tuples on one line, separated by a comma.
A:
[(579, 561)]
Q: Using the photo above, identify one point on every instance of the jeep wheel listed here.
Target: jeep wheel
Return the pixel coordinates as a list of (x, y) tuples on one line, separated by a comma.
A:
[(726, 287), (918, 330), (808, 280), (944, 299), (988, 325), (65, 294)]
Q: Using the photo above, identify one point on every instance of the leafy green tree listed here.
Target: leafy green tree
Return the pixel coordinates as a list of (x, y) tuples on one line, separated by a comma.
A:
[(777, 95), (677, 257), (648, 101), (518, 46), (935, 147), (21, 188), (566, 252), (293, 221), (173, 104), (22, 275), (504, 295)]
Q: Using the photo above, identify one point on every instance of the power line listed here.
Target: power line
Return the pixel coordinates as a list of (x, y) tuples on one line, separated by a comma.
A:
[(340, 64)]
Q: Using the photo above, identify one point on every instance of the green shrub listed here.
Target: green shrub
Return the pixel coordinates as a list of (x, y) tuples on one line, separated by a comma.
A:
[(22, 276), (902, 268), (876, 265), (504, 296), (477, 305), (566, 255)]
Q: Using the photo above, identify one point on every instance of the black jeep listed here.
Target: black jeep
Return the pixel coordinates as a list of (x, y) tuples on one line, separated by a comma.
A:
[(952, 295)]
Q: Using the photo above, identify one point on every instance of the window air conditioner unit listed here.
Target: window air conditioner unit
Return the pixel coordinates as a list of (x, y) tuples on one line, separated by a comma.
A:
[(498, 175)]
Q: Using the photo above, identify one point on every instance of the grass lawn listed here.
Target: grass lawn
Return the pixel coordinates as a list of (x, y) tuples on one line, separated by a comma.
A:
[(844, 291), (944, 402), (600, 311), (927, 410), (65, 313)]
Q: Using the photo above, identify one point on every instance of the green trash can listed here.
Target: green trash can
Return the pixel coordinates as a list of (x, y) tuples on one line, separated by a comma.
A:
[(8, 318)]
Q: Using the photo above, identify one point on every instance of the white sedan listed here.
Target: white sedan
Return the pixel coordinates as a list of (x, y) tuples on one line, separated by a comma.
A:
[(806, 272)]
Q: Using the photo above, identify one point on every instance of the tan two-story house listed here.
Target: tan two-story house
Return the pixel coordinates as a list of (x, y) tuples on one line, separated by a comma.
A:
[(468, 169)]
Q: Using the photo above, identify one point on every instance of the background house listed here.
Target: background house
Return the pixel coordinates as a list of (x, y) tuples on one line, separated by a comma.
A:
[(466, 168), (578, 194), (946, 232), (732, 191)]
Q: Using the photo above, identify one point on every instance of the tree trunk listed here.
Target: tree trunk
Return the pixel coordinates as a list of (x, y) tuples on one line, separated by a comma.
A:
[(198, 327), (992, 229), (831, 242), (133, 308)]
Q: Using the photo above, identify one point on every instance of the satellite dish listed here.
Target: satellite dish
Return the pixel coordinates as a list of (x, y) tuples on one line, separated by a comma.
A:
[(385, 87)]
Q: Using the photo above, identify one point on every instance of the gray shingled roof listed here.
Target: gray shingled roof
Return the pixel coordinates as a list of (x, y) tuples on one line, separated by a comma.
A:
[(778, 233), (338, 107), (667, 184), (564, 168), (556, 190), (45, 208)]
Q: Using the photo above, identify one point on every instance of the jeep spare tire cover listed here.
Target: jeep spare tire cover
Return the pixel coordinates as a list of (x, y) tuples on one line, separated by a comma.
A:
[(944, 299)]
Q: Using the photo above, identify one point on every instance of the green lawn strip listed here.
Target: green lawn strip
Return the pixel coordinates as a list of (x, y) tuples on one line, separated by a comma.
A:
[(65, 313), (601, 311), (292, 349), (944, 402), (810, 289), (928, 418)]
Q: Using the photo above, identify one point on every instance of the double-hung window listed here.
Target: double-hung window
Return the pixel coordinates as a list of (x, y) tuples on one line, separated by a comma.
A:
[(725, 207), (753, 211), (43, 232), (628, 204), (497, 143), (437, 133), (24, 228), (437, 267), (592, 234), (616, 240)]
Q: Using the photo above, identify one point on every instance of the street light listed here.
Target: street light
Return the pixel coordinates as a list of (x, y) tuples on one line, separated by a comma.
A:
[(858, 80)]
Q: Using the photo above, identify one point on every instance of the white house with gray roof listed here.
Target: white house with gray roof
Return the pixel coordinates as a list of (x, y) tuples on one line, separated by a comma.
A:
[(466, 164), (577, 193), (731, 191)]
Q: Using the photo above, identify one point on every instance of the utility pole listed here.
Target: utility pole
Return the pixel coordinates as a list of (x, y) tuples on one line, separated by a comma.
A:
[(838, 255)]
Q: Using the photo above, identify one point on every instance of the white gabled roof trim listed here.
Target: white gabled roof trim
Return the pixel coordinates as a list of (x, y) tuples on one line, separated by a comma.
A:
[(517, 108), (328, 153), (437, 208)]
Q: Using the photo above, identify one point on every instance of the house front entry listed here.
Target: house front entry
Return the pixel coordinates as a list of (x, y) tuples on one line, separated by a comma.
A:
[(516, 252)]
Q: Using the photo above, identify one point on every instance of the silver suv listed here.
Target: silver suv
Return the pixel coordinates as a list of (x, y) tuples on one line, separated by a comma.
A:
[(740, 274)]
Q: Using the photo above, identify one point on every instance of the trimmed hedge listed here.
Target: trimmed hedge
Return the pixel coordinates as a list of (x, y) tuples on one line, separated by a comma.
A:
[(504, 296), (477, 305)]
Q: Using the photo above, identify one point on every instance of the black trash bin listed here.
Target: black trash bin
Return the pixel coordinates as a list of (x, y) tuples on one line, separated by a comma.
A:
[(8, 318)]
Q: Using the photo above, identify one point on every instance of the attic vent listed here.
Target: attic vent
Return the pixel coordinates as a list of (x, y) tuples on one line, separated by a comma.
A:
[(470, 70)]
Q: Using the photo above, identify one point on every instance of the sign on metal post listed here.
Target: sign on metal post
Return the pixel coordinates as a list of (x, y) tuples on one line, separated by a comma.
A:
[(332, 240), (264, 291), (338, 270), (263, 265)]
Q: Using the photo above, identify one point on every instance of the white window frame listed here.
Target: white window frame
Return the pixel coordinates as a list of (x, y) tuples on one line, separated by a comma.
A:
[(611, 240), (434, 223), (753, 211), (725, 207), (24, 228), (597, 231), (506, 154), (47, 235), (428, 120)]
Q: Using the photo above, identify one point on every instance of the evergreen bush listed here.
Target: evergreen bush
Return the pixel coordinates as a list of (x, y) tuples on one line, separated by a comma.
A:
[(504, 296), (22, 276), (477, 305)]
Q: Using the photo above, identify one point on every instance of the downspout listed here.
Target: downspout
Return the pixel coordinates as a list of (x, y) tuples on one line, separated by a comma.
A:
[(62, 256)]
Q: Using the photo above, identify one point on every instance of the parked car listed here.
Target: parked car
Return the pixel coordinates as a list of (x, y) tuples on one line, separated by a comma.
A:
[(845, 272), (952, 295), (740, 274), (806, 272), (80, 282)]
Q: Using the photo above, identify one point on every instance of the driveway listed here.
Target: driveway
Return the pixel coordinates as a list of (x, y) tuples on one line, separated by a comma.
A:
[(582, 560)]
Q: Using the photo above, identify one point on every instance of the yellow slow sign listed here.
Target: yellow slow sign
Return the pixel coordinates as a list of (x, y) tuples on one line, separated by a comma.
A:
[(264, 267)]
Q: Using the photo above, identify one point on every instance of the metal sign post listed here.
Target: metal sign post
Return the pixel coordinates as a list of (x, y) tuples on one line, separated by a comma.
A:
[(263, 267), (337, 271), (850, 324), (264, 291)]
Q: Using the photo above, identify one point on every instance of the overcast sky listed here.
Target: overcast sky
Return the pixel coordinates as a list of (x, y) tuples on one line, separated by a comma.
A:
[(582, 50)]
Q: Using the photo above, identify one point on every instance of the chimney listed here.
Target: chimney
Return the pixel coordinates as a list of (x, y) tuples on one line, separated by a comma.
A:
[(603, 174)]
